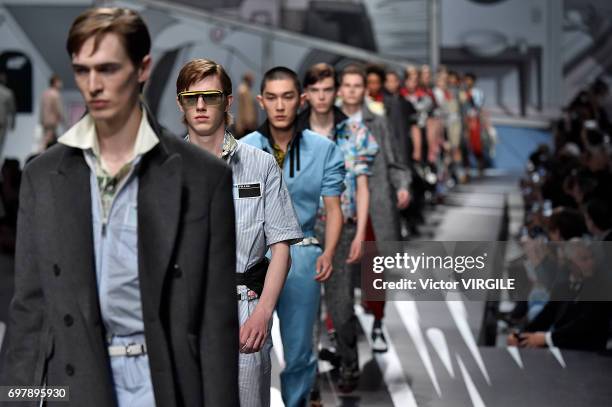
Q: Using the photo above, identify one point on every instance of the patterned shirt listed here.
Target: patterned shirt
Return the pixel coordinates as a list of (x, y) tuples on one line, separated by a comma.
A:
[(359, 148)]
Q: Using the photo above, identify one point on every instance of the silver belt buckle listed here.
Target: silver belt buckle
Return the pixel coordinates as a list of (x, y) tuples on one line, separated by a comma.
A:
[(134, 349)]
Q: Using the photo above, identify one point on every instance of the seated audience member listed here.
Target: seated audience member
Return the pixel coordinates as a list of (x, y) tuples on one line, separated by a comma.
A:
[(572, 319)]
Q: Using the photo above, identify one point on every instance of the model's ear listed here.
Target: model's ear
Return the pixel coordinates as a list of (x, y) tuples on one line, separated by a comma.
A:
[(302, 99), (144, 70), (260, 101), (228, 105), (178, 103)]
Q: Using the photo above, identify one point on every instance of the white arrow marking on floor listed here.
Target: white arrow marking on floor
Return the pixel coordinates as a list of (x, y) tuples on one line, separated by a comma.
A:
[(276, 400), (557, 354), (516, 355), (459, 314), (410, 317), (277, 343), (389, 364), (438, 341), (469, 384)]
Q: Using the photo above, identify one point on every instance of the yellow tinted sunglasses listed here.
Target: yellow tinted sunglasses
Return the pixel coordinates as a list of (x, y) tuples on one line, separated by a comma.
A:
[(211, 97)]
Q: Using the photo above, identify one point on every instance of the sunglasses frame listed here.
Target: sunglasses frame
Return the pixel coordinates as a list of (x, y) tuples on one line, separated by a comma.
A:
[(202, 93)]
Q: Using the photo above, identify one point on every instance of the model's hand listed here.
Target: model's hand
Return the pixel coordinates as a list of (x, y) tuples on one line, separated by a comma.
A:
[(356, 250), (403, 198), (512, 339), (324, 267), (533, 340), (254, 331)]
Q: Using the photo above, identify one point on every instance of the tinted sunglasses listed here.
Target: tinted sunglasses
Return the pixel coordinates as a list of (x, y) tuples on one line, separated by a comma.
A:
[(211, 98)]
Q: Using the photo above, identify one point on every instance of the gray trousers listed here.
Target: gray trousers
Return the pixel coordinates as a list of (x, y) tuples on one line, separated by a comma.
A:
[(254, 369), (339, 295)]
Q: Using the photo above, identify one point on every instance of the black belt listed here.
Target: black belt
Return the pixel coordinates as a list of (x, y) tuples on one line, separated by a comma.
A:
[(254, 277)]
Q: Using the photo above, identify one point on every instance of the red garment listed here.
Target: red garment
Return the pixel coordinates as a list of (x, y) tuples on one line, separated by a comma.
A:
[(474, 132), (377, 308), (378, 97), (474, 128)]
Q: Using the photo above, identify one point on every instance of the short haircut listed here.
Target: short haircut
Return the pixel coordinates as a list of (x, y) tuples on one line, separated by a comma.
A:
[(569, 222), (53, 79), (278, 73), (196, 70), (353, 69), (97, 22), (470, 75), (318, 72), (377, 70), (599, 213), (392, 72)]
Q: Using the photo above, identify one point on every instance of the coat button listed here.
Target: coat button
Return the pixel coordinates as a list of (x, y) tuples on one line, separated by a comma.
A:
[(68, 320), (178, 273), (69, 370), (56, 270)]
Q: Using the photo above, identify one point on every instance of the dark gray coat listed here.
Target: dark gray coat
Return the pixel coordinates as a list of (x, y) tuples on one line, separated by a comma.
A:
[(186, 259), (388, 176)]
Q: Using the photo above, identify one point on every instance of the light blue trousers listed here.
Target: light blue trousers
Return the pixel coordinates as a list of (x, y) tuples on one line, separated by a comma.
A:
[(297, 312)]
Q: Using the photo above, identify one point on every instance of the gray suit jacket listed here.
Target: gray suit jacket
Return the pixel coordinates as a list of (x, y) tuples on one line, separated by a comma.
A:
[(388, 176), (186, 259)]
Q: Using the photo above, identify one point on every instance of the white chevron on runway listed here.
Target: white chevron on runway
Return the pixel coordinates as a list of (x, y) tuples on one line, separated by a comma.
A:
[(389, 364), (469, 384), (438, 341), (516, 355), (459, 314), (557, 354), (410, 317)]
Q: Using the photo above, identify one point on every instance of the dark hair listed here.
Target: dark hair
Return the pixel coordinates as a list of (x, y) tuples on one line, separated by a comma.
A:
[(393, 72), (569, 222), (470, 75), (599, 213), (53, 79), (318, 72), (377, 70), (353, 69), (280, 72), (97, 22)]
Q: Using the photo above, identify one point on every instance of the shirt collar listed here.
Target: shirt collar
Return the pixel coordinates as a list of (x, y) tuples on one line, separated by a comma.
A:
[(83, 136), (229, 146)]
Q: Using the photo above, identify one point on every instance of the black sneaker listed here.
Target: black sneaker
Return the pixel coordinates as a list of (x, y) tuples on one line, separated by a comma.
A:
[(348, 379), (379, 343)]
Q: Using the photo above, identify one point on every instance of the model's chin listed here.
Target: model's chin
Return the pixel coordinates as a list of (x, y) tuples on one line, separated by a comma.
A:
[(281, 125)]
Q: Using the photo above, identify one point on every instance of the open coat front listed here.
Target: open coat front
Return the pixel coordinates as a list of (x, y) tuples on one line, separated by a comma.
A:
[(186, 267)]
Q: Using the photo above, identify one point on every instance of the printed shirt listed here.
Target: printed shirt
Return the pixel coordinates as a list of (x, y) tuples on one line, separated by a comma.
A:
[(359, 148)]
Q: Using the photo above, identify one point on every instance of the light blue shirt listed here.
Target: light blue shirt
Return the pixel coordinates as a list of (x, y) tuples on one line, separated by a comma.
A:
[(318, 170)]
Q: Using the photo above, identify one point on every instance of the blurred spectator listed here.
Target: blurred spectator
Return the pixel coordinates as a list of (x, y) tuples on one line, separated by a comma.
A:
[(9, 201), (375, 78), (246, 121), (473, 102), (572, 319), (51, 111), (7, 110), (598, 219)]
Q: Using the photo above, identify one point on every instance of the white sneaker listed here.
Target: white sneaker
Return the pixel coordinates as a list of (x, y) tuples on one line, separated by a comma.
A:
[(379, 343)]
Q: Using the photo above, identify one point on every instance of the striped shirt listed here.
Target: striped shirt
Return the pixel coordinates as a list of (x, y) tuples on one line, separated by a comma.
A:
[(262, 205)]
